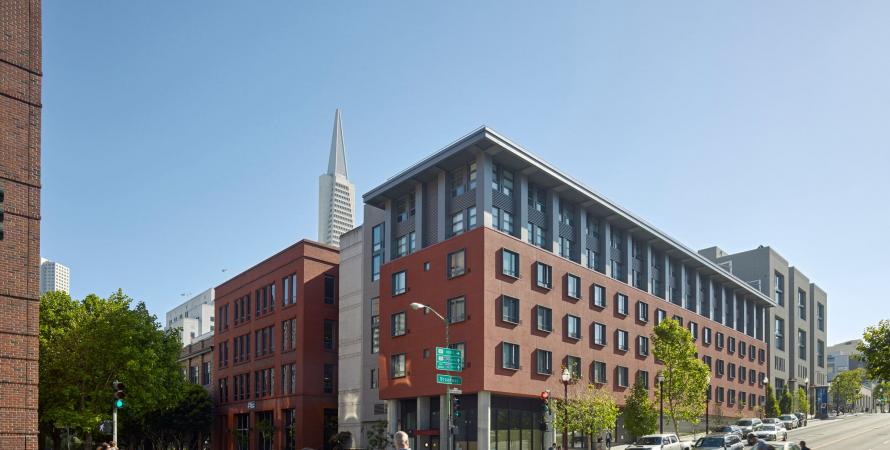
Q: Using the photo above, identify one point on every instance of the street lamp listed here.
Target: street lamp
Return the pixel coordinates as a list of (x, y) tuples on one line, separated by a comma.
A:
[(765, 380), (566, 379), (427, 309), (708, 407), (660, 379), (806, 416)]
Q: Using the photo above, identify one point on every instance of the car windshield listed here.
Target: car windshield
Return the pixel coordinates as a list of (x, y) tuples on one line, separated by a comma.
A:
[(649, 440), (768, 428), (710, 442), (788, 417), (744, 423), (725, 428)]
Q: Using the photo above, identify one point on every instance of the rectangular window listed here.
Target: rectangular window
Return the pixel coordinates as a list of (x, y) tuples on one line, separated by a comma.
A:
[(599, 372), (820, 316), (573, 327), (599, 296), (458, 185), (377, 238), (330, 289), (472, 177), (721, 367), (457, 264), (502, 220), (742, 349), (510, 263), (397, 366), (719, 341), (820, 353), (573, 363), (285, 291), (509, 309), (544, 362), (761, 356), (471, 217), (621, 341), (592, 259), (398, 323), (457, 311), (544, 318), (707, 360), (599, 334), (405, 208), (565, 247), (398, 283), (731, 371), (643, 378), (621, 303), (328, 380), (802, 344), (642, 345), (780, 333), (375, 379), (573, 286), (780, 289), (376, 262), (330, 338), (730, 345), (544, 275), (642, 311), (510, 356), (457, 223), (660, 315), (402, 245), (622, 376), (802, 304), (375, 334), (706, 335), (496, 217), (566, 213), (693, 330)]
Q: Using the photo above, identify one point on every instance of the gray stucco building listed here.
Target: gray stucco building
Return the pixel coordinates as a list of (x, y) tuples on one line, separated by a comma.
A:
[(799, 323)]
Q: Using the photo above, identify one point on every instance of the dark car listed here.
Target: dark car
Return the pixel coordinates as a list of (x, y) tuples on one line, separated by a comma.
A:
[(729, 429), (801, 419)]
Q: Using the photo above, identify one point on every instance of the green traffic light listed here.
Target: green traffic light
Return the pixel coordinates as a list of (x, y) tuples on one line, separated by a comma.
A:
[(119, 403)]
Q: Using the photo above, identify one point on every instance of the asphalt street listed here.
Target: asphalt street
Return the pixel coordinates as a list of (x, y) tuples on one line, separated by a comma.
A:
[(864, 431)]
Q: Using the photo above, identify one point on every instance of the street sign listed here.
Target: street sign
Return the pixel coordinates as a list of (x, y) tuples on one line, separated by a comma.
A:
[(447, 379), (449, 359), (251, 405), (106, 427), (455, 391)]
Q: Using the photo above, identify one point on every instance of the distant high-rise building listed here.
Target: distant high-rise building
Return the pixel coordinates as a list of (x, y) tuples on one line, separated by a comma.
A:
[(194, 318), (336, 194), (54, 277)]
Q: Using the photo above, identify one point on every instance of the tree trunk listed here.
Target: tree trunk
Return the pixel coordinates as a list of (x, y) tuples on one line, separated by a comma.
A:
[(88, 441), (57, 439)]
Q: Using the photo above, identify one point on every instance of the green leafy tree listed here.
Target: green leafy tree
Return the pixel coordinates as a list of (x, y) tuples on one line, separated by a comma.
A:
[(772, 404), (803, 402), (640, 415), (378, 438), (845, 388), (590, 411), (875, 350), (686, 377), (86, 345), (785, 402), (882, 393)]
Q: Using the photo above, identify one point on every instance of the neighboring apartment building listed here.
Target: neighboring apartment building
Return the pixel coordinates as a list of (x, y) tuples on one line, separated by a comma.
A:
[(21, 73), (196, 360), (194, 318), (336, 194), (843, 357), (275, 348), (54, 277), (534, 271), (799, 323)]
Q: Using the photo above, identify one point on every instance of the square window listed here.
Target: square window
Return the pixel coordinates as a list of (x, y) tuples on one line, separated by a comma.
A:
[(398, 324), (509, 309), (398, 283), (510, 263), (457, 263)]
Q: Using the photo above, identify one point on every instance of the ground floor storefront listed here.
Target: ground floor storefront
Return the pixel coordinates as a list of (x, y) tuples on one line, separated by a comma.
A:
[(274, 425)]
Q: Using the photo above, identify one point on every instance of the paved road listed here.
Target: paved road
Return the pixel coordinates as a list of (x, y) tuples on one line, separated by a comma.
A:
[(862, 432)]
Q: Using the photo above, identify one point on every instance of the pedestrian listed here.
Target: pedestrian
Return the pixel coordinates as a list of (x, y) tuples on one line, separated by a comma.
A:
[(609, 438), (552, 446), (401, 439), (803, 445), (757, 444)]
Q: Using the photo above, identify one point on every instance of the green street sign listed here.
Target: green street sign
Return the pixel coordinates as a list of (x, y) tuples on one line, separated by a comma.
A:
[(444, 351), (449, 359), (447, 379)]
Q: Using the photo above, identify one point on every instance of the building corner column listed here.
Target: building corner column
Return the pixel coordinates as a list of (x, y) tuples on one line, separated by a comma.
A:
[(483, 421)]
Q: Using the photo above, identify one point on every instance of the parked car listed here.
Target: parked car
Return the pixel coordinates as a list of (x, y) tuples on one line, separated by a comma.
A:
[(749, 425), (783, 445), (668, 441), (801, 419), (772, 432), (729, 429), (772, 420), (727, 441), (790, 421)]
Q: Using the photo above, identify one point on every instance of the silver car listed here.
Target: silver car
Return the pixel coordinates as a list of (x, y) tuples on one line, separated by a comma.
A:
[(748, 425), (772, 432), (790, 421), (720, 442)]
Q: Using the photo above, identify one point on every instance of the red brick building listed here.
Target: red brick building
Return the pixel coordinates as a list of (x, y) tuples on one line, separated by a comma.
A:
[(20, 84), (536, 272), (275, 348)]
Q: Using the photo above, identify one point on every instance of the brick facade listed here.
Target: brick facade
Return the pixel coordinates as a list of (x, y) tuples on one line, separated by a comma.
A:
[(20, 77)]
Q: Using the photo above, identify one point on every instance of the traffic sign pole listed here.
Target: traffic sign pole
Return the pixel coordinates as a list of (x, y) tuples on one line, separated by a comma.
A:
[(114, 426)]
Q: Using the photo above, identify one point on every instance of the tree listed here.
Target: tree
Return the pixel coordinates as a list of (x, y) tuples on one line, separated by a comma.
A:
[(86, 345), (378, 438), (882, 393), (640, 415), (875, 350), (772, 404), (590, 411), (785, 401), (803, 401), (845, 388), (686, 377)]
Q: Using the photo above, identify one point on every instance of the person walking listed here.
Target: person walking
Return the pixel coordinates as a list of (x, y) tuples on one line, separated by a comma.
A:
[(803, 445), (757, 444), (609, 439), (401, 439), (552, 446)]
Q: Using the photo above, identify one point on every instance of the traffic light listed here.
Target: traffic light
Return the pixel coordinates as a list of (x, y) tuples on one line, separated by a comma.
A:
[(119, 394), (455, 406), (545, 397)]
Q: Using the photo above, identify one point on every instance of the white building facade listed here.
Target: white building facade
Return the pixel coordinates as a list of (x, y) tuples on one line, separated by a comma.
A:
[(54, 277), (194, 318), (336, 194)]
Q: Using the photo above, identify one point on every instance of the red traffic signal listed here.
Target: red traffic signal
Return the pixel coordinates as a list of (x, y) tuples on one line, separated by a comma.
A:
[(545, 395)]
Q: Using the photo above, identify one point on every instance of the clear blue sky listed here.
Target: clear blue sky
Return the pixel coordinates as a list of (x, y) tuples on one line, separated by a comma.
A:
[(182, 137)]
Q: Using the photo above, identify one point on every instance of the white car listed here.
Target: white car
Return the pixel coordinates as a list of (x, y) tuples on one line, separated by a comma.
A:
[(659, 442), (772, 432), (789, 420)]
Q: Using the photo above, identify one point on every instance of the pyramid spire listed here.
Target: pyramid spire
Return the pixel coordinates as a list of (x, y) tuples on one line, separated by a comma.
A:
[(337, 159)]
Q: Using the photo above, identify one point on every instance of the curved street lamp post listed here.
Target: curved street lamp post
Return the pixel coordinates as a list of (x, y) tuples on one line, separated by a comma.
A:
[(660, 379), (427, 309)]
